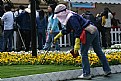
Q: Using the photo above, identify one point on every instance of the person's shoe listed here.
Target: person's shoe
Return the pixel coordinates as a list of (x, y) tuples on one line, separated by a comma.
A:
[(107, 73), (88, 77)]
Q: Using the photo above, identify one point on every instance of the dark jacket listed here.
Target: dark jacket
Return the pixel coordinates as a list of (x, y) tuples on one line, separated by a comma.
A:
[(41, 24), (76, 23), (89, 16), (24, 21)]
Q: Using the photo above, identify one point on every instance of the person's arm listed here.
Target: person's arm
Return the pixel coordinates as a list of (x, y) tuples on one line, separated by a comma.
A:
[(54, 24), (49, 23), (111, 16), (75, 24), (45, 23), (103, 20), (118, 21)]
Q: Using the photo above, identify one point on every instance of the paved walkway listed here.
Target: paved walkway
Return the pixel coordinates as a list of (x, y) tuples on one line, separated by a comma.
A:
[(113, 77)]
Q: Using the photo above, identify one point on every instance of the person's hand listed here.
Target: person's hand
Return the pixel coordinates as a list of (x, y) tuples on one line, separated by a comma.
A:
[(51, 31), (103, 20), (57, 37), (77, 45)]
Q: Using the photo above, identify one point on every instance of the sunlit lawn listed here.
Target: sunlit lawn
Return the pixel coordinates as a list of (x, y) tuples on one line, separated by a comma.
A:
[(22, 70)]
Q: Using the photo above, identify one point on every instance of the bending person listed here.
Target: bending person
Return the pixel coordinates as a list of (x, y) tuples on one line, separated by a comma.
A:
[(76, 22)]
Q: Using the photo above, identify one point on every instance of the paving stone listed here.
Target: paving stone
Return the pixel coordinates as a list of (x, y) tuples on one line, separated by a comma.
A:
[(53, 76), (117, 68), (60, 76), (77, 73), (36, 77), (1, 79), (44, 77), (19, 78), (28, 78), (113, 69), (72, 74), (69, 74), (56, 75), (9, 79), (99, 70), (94, 72)]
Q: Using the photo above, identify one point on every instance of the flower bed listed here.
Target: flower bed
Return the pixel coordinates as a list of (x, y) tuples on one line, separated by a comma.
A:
[(57, 58)]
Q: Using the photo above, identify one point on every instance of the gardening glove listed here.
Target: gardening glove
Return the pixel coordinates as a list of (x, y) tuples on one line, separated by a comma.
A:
[(57, 37), (77, 45)]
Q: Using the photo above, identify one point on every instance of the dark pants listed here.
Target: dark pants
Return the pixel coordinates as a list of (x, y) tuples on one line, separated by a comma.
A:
[(18, 42), (102, 31), (41, 40), (108, 37), (7, 40), (26, 36), (1, 43)]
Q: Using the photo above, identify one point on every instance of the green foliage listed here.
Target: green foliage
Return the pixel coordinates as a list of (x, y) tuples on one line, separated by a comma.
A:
[(22, 70)]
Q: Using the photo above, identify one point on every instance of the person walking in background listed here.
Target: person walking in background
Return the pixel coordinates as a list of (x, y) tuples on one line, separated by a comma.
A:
[(24, 21), (8, 20), (106, 22), (18, 39), (19, 10), (41, 28), (90, 33), (52, 29), (1, 36), (88, 15), (114, 21), (1, 27), (101, 29)]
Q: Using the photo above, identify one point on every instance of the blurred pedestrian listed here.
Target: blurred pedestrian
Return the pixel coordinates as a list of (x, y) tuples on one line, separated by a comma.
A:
[(24, 21), (101, 29), (52, 29), (106, 22), (8, 19), (1, 26), (18, 38), (41, 28), (88, 15)]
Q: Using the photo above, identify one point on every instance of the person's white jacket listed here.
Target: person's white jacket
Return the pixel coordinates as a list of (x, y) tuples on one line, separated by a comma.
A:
[(108, 21), (8, 20)]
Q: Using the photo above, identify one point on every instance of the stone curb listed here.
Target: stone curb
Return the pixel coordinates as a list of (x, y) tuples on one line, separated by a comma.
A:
[(62, 75)]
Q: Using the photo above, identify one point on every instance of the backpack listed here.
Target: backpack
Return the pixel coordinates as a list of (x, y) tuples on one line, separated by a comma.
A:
[(89, 17)]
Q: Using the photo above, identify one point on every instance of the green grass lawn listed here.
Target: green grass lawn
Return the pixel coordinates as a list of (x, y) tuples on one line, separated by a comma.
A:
[(22, 70)]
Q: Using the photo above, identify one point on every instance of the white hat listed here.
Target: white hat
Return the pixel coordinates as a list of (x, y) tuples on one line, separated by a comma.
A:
[(28, 9), (59, 8), (29, 6)]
